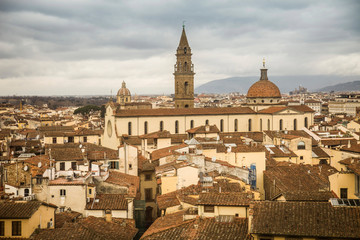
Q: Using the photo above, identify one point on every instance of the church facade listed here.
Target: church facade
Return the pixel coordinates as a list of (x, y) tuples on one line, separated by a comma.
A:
[(262, 111)]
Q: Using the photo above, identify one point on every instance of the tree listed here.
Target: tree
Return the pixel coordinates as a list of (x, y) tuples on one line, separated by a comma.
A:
[(87, 109)]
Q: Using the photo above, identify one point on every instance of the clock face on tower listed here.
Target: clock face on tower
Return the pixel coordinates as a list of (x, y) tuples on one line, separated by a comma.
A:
[(109, 128)]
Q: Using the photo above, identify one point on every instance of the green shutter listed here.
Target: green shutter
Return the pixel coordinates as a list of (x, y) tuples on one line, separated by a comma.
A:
[(117, 165)]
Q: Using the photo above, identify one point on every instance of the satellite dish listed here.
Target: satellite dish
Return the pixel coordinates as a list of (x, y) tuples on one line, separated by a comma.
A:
[(26, 168), (39, 165), (229, 149)]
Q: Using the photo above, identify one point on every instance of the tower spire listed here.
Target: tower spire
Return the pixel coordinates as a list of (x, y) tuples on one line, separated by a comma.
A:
[(183, 40)]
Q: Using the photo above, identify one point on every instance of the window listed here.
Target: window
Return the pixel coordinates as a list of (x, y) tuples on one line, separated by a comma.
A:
[(268, 125), (130, 166), (301, 145), (148, 195), (295, 124), (129, 128), (249, 125), (54, 139), (184, 50), (260, 124), (176, 126), (161, 125), (38, 180), (207, 122), (343, 193), (85, 139), (2, 228), (63, 192), (26, 192), (73, 166), (16, 228), (281, 124), (301, 157), (62, 166), (208, 209), (235, 125), (221, 125), (191, 124), (90, 191), (145, 127), (148, 177), (114, 165), (186, 85), (70, 139), (306, 122)]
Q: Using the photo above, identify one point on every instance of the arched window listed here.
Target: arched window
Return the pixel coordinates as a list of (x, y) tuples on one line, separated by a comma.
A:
[(249, 125), (235, 125), (145, 127), (176, 126), (129, 128), (161, 125), (207, 122), (221, 125), (192, 124), (185, 50), (185, 66), (281, 124), (186, 105), (268, 124), (306, 122), (26, 192), (260, 124), (301, 145), (295, 124), (186, 85)]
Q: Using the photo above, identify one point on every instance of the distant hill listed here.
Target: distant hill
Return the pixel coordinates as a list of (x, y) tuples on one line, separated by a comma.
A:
[(285, 83), (342, 87)]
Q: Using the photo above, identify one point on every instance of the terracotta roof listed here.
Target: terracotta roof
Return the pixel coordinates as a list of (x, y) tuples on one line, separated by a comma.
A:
[(158, 134), (272, 110), (353, 148), (66, 154), (167, 200), (226, 198), (63, 217), (234, 136), (126, 180), (184, 111), (300, 108), (292, 177), (107, 202), (64, 181), (305, 219), (172, 226), (90, 228), (322, 196), (163, 152), (319, 152), (339, 141), (280, 151), (202, 129), (352, 164), (263, 89), (20, 210)]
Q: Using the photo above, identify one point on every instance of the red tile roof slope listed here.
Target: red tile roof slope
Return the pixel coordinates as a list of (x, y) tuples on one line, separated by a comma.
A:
[(305, 219)]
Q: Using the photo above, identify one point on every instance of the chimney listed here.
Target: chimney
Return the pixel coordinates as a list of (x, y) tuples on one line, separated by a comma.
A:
[(108, 216)]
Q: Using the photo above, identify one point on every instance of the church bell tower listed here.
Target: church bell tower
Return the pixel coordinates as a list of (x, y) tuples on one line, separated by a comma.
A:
[(184, 74)]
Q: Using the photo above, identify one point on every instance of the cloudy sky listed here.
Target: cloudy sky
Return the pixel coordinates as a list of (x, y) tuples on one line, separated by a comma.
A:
[(84, 47)]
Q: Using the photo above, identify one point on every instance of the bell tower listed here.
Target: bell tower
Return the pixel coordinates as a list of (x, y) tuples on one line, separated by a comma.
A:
[(184, 74)]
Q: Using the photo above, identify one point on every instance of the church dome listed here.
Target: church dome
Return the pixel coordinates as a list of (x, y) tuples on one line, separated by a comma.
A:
[(263, 88), (123, 91)]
